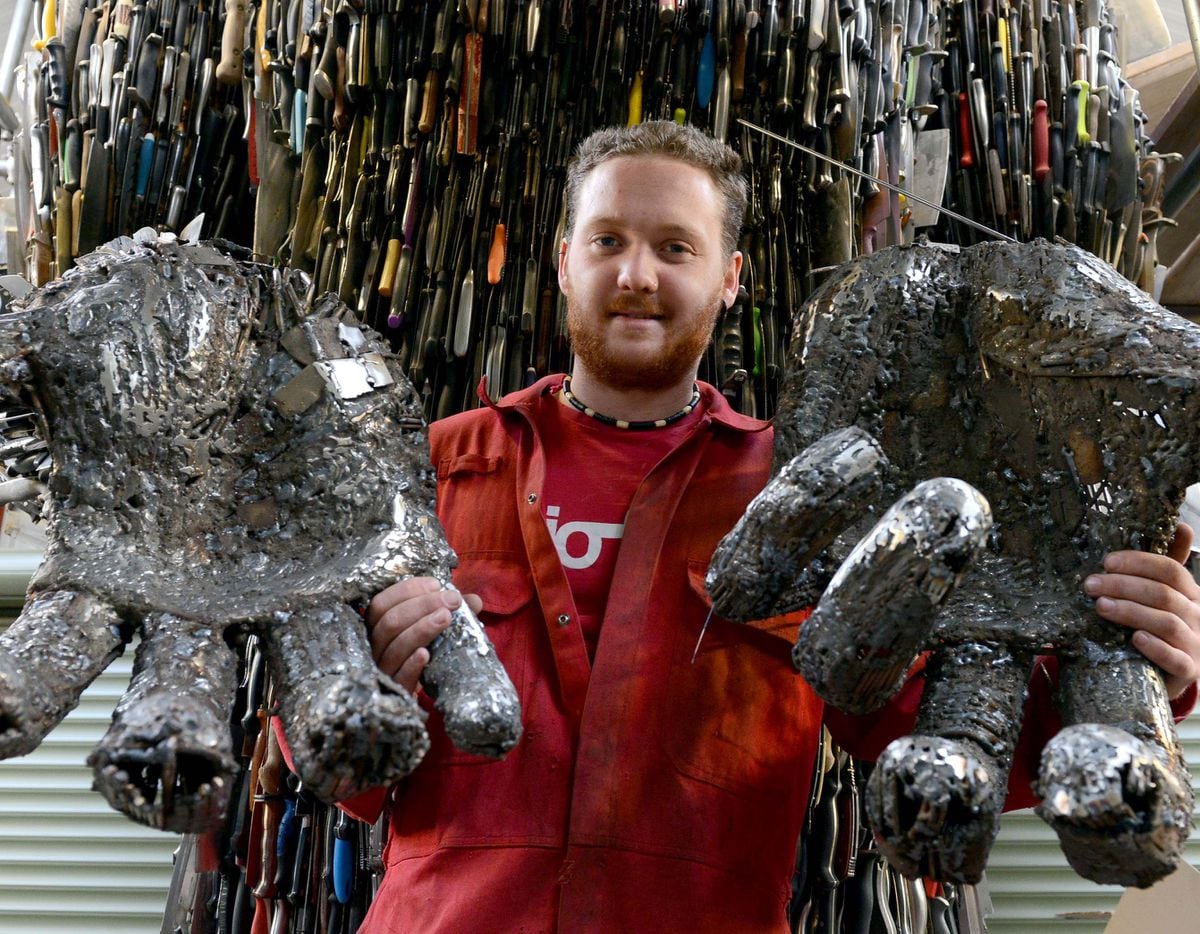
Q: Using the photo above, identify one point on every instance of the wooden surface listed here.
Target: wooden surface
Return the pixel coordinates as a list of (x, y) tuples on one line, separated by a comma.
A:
[(1160, 79)]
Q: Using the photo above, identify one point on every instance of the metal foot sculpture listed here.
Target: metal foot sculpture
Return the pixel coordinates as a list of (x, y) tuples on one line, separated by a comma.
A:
[(1065, 403), (221, 457)]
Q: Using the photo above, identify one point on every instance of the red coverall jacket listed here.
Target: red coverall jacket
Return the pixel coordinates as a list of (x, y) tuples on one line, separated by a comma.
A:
[(648, 792)]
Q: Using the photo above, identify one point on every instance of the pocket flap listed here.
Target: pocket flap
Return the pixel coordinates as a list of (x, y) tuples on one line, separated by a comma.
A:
[(467, 464), (504, 585)]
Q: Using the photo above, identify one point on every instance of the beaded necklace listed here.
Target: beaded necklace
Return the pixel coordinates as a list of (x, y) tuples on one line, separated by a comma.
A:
[(622, 423)]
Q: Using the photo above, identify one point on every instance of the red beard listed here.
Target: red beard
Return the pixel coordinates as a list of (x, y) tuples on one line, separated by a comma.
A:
[(676, 362)]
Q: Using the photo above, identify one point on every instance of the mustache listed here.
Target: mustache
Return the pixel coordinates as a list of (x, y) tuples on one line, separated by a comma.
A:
[(633, 305)]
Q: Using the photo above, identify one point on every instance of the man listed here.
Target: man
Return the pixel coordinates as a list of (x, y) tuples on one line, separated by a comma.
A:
[(652, 790)]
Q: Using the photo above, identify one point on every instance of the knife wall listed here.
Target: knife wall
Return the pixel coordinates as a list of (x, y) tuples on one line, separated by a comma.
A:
[(411, 155)]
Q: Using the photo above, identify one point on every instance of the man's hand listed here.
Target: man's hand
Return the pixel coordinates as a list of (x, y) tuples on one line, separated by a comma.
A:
[(1156, 595), (405, 618)]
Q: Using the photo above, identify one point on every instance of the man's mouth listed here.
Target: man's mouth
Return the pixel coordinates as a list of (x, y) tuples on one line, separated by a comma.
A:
[(636, 312)]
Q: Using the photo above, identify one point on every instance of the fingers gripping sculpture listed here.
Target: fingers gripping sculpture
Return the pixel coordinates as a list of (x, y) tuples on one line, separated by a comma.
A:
[(1068, 402), (222, 459)]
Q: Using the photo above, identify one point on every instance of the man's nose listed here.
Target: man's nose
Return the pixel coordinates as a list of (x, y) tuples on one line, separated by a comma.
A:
[(638, 272)]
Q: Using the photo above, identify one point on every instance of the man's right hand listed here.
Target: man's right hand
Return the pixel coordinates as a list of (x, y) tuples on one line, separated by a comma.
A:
[(404, 619)]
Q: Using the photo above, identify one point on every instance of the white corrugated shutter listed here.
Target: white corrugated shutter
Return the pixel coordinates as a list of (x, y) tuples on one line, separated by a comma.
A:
[(68, 862)]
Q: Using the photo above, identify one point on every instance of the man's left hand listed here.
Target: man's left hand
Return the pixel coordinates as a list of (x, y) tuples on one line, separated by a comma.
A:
[(1157, 596)]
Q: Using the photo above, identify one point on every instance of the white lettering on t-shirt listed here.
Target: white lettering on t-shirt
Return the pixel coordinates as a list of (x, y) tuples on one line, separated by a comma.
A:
[(594, 532)]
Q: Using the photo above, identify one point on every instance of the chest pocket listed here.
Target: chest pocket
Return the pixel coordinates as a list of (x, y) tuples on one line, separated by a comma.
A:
[(740, 717), (466, 481)]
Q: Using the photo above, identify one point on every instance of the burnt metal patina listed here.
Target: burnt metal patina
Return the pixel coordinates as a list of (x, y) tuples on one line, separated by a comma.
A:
[(224, 457), (1067, 400)]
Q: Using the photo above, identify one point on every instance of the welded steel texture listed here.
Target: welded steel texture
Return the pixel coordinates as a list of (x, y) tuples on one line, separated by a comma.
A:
[(1063, 403), (222, 456)]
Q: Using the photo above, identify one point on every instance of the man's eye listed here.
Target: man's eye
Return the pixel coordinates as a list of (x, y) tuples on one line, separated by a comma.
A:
[(677, 248), (605, 241)]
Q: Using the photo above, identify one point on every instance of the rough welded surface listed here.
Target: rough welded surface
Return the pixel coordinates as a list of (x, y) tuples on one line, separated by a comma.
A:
[(477, 706), (1116, 793), (941, 790), (1068, 399), (224, 454), (1105, 796), (897, 577), (810, 501), (180, 737), (68, 639)]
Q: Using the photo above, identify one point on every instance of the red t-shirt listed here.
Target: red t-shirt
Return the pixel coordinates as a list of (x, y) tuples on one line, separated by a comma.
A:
[(592, 472)]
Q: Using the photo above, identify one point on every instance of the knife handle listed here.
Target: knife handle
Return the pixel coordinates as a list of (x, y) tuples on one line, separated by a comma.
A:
[(860, 895), (429, 102), (76, 218), (996, 180), (412, 112), (400, 298), (529, 297), (62, 229), (343, 859), (495, 263), (391, 261), (461, 343), (72, 157), (1041, 141), (706, 71), (49, 25), (720, 125), (145, 81), (635, 101), (966, 156), (230, 67), (144, 163), (737, 64), (1078, 111)]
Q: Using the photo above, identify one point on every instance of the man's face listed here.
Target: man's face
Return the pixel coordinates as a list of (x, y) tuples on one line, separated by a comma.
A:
[(644, 273)]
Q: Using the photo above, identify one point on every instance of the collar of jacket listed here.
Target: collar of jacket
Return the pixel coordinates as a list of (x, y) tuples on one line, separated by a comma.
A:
[(715, 404)]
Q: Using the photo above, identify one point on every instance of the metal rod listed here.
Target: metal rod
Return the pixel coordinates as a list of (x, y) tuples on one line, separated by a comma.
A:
[(878, 181), (15, 44), (1191, 12)]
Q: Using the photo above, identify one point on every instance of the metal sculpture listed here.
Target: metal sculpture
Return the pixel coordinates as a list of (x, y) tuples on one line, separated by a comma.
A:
[(221, 457), (1066, 398)]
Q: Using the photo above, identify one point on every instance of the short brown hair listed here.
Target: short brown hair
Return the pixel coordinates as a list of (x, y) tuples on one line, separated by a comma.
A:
[(665, 138)]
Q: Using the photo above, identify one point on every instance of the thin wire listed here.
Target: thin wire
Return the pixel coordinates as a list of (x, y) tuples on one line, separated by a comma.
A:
[(879, 181), (703, 630)]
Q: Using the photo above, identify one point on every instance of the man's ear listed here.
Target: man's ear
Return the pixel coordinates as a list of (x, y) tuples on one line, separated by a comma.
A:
[(729, 283), (563, 282)]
